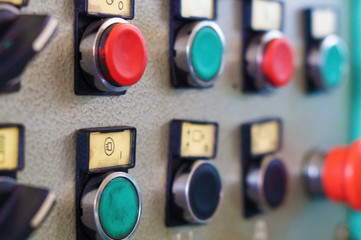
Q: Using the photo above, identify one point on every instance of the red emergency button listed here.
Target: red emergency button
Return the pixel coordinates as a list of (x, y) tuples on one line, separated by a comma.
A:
[(125, 54), (341, 178), (278, 63)]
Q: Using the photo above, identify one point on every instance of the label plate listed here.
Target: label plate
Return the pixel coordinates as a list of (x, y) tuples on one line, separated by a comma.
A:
[(9, 148), (323, 23), (110, 149), (121, 8), (265, 137), (197, 8), (198, 140), (266, 15), (15, 2)]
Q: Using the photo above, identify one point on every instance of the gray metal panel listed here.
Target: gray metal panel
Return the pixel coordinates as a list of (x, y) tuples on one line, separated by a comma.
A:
[(52, 113)]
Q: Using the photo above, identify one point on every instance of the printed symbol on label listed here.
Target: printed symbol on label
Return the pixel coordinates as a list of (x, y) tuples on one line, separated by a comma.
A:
[(197, 136), (2, 149), (120, 5), (110, 2), (206, 148), (109, 146)]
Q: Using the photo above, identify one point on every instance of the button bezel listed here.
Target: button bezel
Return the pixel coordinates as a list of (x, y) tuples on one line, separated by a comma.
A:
[(180, 190), (89, 49), (255, 56), (183, 56), (91, 200)]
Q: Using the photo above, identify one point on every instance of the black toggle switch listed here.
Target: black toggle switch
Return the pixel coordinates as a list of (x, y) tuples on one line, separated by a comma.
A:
[(21, 38), (22, 208)]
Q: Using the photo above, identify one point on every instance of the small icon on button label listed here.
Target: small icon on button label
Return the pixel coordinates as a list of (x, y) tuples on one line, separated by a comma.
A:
[(109, 146)]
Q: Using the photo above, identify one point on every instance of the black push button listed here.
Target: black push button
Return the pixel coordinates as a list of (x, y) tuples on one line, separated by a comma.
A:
[(199, 196), (267, 183)]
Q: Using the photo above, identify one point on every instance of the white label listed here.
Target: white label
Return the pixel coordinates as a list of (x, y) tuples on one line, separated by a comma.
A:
[(323, 23), (266, 15), (197, 8)]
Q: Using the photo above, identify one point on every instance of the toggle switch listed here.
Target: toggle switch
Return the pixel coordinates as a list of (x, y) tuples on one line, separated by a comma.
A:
[(22, 208), (108, 199), (194, 185), (268, 54), (22, 37), (111, 52), (326, 53), (335, 174), (198, 45), (264, 174)]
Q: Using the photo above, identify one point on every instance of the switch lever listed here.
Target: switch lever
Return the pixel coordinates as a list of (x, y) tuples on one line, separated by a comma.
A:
[(22, 208), (21, 38)]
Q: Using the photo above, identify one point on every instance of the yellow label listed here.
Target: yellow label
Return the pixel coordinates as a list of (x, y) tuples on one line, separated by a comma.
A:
[(197, 8), (110, 149), (9, 148), (198, 140), (265, 137), (122, 8), (266, 15), (15, 2)]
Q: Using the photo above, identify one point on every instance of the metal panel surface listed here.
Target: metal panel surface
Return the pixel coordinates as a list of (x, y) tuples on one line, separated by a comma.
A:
[(51, 112)]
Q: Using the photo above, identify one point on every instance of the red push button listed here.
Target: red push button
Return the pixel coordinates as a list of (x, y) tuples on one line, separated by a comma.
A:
[(342, 175), (278, 63), (125, 53)]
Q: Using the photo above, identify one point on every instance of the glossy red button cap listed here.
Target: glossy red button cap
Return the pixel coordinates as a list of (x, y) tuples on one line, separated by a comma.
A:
[(353, 175), (341, 177), (333, 180), (278, 63), (125, 54)]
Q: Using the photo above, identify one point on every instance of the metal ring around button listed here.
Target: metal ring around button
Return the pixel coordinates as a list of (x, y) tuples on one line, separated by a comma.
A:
[(313, 171), (90, 56), (183, 46), (181, 191), (91, 201)]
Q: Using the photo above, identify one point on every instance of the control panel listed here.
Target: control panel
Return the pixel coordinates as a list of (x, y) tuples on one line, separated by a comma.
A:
[(179, 120)]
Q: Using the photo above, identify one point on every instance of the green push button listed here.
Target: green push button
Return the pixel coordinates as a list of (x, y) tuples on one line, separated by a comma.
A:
[(206, 53), (119, 208), (334, 63)]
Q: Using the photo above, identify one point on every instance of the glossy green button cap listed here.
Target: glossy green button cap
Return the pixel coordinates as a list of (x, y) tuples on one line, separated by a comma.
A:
[(118, 208), (333, 67), (355, 224), (206, 53)]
